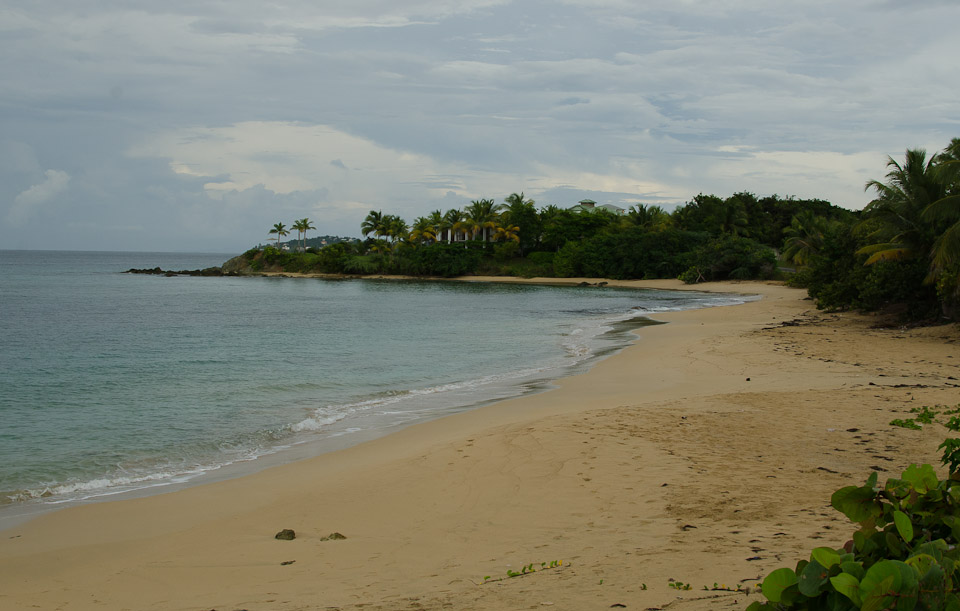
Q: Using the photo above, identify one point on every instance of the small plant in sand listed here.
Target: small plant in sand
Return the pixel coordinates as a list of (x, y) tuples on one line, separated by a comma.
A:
[(526, 570), (926, 415), (904, 556)]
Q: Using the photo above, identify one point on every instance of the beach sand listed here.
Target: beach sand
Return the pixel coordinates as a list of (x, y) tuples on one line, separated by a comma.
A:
[(705, 452)]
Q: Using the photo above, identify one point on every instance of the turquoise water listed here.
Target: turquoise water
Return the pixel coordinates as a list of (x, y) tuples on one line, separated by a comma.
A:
[(115, 382)]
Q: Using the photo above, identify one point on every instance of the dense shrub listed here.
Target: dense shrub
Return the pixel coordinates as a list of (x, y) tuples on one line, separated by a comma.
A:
[(636, 253), (731, 257), (444, 260)]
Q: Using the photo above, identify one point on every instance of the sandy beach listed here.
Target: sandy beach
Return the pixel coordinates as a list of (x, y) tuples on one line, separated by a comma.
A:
[(706, 452)]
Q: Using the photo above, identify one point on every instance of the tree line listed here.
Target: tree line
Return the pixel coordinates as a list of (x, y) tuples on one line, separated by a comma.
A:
[(903, 248)]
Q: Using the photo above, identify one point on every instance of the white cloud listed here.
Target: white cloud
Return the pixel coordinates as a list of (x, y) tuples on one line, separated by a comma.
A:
[(36, 196)]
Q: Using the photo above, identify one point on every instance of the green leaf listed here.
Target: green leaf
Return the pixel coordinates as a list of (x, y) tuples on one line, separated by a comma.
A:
[(857, 503), (921, 477), (812, 579), (776, 582), (853, 568), (848, 585), (878, 595), (904, 525), (826, 556), (876, 587)]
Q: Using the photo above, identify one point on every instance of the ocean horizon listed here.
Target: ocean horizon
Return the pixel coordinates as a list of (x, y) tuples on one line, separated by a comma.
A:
[(122, 383)]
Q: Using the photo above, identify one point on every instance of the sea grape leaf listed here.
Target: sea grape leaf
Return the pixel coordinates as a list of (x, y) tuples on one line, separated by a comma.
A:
[(951, 603), (812, 579), (848, 585), (904, 525), (857, 503), (877, 595), (954, 524), (826, 556), (876, 587), (921, 477), (854, 568), (776, 582), (898, 487), (933, 581)]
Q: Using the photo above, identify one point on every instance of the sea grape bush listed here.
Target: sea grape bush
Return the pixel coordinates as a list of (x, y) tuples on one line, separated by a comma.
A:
[(904, 556)]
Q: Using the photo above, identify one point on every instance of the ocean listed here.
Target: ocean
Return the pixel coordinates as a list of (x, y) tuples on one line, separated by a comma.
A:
[(116, 383)]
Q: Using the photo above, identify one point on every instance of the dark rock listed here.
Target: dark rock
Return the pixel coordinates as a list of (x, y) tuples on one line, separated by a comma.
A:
[(286, 535), (333, 537)]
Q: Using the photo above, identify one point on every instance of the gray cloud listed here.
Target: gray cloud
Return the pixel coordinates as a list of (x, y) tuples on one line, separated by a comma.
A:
[(207, 123)]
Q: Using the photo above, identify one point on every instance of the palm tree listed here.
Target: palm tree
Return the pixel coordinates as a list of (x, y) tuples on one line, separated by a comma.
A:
[(805, 237), (650, 217), (732, 216), (518, 210), (395, 227), (423, 231), (373, 224), (453, 218), (945, 252), (281, 231), (438, 223), (896, 215), (302, 226), (517, 199), (505, 231), (482, 216)]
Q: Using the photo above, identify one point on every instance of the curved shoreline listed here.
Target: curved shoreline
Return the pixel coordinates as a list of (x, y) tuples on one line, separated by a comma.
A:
[(15, 513), (720, 433)]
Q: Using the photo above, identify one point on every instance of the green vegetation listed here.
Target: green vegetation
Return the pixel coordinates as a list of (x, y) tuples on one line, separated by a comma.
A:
[(708, 238), (904, 555), (526, 570), (901, 252)]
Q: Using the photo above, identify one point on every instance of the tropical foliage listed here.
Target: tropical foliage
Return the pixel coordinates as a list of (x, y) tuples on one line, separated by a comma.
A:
[(902, 251), (904, 554)]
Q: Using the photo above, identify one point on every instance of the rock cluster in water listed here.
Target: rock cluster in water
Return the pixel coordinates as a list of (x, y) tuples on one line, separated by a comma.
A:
[(156, 271)]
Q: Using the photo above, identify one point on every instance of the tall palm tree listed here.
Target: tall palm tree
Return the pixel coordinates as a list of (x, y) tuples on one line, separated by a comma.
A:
[(373, 224), (281, 230), (438, 223), (302, 226), (453, 218), (395, 227), (945, 252), (899, 230), (482, 215), (517, 199), (518, 210)]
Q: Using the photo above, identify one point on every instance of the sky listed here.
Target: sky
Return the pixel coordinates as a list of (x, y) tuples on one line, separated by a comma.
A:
[(195, 126)]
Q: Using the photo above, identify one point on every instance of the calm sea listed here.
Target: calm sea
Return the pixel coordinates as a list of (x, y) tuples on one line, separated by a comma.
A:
[(115, 382)]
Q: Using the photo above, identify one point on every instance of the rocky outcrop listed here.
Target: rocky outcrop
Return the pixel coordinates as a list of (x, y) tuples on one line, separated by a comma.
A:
[(156, 271)]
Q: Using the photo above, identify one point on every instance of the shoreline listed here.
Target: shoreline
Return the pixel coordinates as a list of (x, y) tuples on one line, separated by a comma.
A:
[(15, 513), (706, 452)]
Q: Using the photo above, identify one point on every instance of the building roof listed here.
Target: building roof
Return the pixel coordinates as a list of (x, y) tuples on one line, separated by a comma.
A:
[(588, 205)]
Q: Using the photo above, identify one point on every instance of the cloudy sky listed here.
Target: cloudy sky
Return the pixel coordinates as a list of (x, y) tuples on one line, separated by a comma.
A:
[(195, 126)]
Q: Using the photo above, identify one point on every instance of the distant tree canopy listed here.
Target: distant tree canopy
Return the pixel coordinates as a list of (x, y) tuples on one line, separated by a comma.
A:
[(902, 249)]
